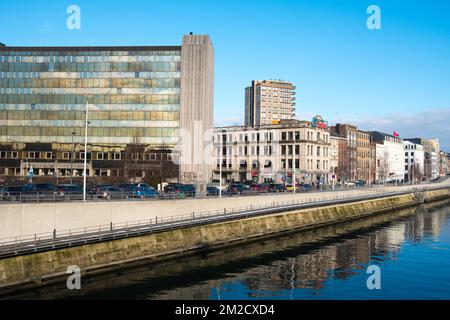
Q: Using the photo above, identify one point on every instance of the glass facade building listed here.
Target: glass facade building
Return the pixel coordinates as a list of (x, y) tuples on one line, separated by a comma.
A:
[(134, 99), (132, 92)]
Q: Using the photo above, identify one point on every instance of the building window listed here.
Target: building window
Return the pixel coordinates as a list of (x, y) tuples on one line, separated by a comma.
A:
[(117, 156)]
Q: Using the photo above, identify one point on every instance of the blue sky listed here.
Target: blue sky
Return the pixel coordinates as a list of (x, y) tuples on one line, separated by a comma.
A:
[(396, 78)]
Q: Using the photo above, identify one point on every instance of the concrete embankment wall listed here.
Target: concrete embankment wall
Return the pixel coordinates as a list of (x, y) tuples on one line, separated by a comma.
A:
[(17, 220), (38, 268)]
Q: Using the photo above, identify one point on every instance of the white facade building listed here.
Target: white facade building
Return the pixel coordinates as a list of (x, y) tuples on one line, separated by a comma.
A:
[(414, 161), (390, 159)]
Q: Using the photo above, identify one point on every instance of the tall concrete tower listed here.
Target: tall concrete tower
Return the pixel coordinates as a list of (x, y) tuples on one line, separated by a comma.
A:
[(196, 110)]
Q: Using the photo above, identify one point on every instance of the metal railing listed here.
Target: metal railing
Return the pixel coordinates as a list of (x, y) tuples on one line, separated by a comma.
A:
[(8, 197), (66, 238)]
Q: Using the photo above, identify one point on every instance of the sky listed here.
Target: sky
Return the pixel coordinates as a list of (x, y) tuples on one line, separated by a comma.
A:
[(395, 78)]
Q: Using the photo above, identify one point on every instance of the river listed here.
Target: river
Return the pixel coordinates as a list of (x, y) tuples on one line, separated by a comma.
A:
[(411, 247)]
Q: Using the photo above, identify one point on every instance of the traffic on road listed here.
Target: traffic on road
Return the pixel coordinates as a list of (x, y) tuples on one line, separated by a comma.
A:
[(39, 192)]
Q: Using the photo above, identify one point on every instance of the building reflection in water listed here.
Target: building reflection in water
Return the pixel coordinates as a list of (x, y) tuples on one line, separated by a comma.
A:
[(271, 267)]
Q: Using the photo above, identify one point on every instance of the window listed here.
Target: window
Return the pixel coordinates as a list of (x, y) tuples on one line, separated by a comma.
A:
[(66, 155), (117, 156), (102, 156)]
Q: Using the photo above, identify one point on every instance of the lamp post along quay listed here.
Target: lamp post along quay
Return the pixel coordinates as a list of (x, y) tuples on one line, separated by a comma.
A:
[(85, 153)]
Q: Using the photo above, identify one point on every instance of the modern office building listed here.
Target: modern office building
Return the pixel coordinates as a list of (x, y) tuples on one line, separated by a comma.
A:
[(269, 101), (273, 153), (139, 101)]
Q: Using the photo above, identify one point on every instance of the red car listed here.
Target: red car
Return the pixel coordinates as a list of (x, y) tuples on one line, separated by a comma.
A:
[(259, 187)]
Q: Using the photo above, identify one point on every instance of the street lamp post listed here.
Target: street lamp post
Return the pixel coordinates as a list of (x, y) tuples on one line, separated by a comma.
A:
[(85, 153), (71, 160), (293, 165), (220, 163)]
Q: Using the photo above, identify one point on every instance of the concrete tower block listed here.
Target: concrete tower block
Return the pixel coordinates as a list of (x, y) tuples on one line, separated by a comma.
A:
[(196, 110)]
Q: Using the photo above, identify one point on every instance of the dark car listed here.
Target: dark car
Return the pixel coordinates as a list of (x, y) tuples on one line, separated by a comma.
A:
[(69, 191), (96, 188), (306, 187), (276, 187), (258, 188), (360, 183), (141, 191), (13, 193), (179, 189), (172, 187), (38, 192), (110, 192), (237, 188), (213, 191)]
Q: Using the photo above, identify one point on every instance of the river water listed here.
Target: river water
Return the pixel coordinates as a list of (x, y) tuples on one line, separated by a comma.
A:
[(411, 247)]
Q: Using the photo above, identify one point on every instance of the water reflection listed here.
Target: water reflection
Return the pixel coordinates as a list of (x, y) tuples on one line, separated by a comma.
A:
[(326, 263)]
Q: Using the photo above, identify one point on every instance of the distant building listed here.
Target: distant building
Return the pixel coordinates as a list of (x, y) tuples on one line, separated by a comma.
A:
[(269, 101), (444, 163), (390, 159), (431, 150), (364, 159), (414, 161), (337, 156), (271, 153), (348, 169)]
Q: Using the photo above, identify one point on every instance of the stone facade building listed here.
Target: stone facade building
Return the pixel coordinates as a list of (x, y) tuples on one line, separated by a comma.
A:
[(271, 153)]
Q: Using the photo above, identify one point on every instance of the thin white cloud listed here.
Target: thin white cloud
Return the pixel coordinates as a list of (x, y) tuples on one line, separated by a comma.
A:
[(430, 124)]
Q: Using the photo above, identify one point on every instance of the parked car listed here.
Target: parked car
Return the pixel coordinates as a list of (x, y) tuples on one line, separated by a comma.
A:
[(258, 188), (277, 187), (142, 191), (172, 187), (4, 192), (237, 188), (290, 187), (38, 192), (360, 183), (70, 191), (306, 187), (96, 188), (111, 192), (13, 193), (179, 189), (213, 191)]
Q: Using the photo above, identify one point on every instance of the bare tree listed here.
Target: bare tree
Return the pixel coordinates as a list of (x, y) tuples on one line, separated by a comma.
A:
[(384, 169)]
